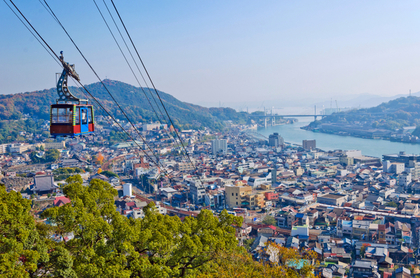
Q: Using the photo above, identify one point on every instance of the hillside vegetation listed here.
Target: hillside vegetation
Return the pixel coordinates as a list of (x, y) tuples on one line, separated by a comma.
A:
[(392, 115), (132, 99), (88, 237)]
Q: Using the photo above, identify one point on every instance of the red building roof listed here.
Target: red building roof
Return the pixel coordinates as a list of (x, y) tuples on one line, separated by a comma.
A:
[(62, 200)]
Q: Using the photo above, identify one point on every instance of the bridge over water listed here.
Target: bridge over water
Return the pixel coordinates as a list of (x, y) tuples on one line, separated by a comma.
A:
[(287, 116), (272, 117)]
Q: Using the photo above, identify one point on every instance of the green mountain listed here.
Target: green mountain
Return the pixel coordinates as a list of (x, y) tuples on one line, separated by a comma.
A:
[(383, 121), (132, 99)]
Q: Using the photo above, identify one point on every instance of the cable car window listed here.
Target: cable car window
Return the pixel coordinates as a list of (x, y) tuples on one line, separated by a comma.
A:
[(54, 115), (64, 115), (84, 116), (61, 115), (90, 115), (77, 116)]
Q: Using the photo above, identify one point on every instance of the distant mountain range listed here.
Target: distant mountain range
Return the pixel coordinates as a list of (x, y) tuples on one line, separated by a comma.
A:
[(306, 105), (132, 99), (361, 101)]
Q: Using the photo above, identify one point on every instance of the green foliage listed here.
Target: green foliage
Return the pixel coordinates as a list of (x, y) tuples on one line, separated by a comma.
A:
[(109, 174), (315, 124), (63, 173), (49, 156), (248, 243), (117, 137), (229, 114), (107, 244), (132, 100), (10, 129), (52, 155), (241, 264), (68, 170), (21, 247), (416, 132), (392, 204), (270, 220), (392, 115), (207, 138), (362, 251)]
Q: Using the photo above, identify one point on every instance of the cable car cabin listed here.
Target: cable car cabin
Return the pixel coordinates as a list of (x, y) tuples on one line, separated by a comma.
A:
[(71, 120)]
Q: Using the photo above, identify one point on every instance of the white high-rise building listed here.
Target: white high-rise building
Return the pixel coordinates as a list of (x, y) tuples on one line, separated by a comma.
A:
[(404, 179), (219, 146), (127, 189)]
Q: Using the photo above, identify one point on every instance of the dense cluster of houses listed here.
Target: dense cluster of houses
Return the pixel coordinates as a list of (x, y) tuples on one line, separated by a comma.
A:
[(360, 214)]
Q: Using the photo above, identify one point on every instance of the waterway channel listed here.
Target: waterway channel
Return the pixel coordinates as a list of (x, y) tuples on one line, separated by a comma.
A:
[(293, 134)]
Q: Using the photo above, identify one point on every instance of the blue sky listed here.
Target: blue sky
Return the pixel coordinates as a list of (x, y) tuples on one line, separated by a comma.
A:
[(211, 51)]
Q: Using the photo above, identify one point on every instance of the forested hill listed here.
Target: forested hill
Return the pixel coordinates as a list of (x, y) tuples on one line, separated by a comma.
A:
[(392, 115), (132, 99)]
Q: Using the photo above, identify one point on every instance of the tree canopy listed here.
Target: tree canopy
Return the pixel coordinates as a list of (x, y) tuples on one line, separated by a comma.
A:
[(270, 220), (97, 241), (49, 156), (391, 115), (109, 174)]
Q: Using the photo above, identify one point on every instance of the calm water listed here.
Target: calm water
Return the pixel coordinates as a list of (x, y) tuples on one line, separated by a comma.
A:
[(293, 134)]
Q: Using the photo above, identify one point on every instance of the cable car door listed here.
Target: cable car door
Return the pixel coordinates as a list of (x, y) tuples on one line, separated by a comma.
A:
[(84, 121)]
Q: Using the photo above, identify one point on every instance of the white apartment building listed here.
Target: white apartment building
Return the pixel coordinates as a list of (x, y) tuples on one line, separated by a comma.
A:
[(219, 146)]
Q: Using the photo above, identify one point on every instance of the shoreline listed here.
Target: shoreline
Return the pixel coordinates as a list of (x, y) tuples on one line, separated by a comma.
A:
[(367, 136)]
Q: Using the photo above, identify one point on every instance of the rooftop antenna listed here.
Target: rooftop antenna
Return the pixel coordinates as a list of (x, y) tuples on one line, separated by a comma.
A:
[(410, 93)]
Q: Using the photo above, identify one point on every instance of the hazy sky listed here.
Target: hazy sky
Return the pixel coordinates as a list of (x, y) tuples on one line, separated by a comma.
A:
[(211, 51)]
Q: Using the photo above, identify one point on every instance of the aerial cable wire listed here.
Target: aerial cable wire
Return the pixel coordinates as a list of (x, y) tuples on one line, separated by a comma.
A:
[(33, 34), (132, 71), (93, 70), (97, 108), (128, 134), (154, 87), (125, 58), (58, 21), (123, 112), (56, 56), (134, 60), (55, 59)]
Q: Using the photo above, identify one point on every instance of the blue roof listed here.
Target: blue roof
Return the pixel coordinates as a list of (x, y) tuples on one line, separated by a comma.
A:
[(299, 215)]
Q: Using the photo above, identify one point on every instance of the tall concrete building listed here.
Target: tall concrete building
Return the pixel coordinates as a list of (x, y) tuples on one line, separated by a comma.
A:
[(197, 191), (235, 196), (393, 167), (219, 146), (402, 157), (414, 169), (309, 144), (275, 140)]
